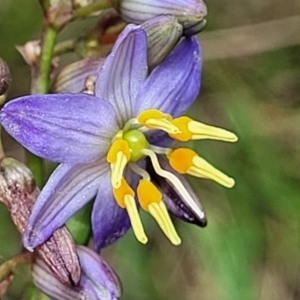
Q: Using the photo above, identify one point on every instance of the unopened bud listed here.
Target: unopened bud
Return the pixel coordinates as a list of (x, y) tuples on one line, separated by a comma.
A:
[(5, 78), (163, 34), (195, 28), (18, 192), (98, 280), (77, 76), (30, 52), (187, 12)]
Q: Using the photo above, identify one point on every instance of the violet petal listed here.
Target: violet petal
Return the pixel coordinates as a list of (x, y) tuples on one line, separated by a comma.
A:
[(109, 220), (68, 189), (175, 83), (69, 128), (173, 199), (123, 72), (99, 272)]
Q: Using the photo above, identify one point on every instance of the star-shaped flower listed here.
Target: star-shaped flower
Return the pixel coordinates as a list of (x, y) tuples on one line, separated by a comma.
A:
[(102, 141)]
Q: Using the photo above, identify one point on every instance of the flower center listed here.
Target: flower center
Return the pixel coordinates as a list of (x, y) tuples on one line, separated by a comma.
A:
[(130, 145), (136, 142)]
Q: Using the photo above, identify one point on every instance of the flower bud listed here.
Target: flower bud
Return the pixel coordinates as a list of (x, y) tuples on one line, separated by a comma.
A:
[(76, 77), (163, 34), (5, 77), (30, 52), (18, 193), (188, 12), (195, 28), (98, 281)]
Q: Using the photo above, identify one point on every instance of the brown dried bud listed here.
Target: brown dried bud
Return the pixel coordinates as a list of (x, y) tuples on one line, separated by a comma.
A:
[(18, 193), (5, 78), (31, 52)]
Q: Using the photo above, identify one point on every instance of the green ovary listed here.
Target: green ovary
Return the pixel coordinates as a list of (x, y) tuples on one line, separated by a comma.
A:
[(137, 142)]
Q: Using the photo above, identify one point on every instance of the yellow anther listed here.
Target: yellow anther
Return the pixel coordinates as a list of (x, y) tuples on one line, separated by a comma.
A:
[(118, 156), (185, 160), (193, 130), (148, 193), (150, 199), (124, 196), (122, 191), (119, 145), (155, 119)]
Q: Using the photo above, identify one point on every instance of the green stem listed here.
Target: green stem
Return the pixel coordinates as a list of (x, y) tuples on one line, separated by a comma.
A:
[(91, 8), (43, 79), (42, 87)]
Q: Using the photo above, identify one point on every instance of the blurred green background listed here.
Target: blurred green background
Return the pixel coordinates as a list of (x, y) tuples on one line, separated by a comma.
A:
[(251, 85)]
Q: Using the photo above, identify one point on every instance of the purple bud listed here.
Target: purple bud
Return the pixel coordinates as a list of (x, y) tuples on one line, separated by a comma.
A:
[(98, 281), (163, 34), (18, 193), (187, 12), (75, 78), (5, 77)]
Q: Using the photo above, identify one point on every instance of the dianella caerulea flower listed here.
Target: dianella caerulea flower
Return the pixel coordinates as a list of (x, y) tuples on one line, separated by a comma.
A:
[(98, 281), (102, 142)]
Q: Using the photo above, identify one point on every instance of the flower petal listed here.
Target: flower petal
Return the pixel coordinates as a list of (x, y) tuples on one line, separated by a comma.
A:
[(188, 209), (174, 84), (109, 220), (99, 272), (69, 188), (69, 128), (123, 72)]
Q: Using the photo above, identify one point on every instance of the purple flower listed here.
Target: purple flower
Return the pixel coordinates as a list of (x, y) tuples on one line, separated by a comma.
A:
[(98, 281), (102, 141)]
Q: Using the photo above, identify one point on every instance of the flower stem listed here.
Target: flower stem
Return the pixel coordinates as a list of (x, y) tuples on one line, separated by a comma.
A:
[(93, 7), (48, 43), (42, 85)]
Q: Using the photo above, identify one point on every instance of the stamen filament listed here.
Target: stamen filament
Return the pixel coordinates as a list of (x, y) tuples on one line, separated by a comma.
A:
[(138, 170), (162, 217), (129, 123), (161, 150), (135, 219), (175, 181)]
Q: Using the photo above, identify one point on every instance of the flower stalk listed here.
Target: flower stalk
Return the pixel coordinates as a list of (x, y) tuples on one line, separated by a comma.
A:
[(91, 8)]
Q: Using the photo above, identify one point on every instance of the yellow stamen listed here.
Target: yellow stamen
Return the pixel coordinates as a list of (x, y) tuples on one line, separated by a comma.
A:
[(155, 119), (124, 196), (150, 200), (185, 160), (193, 130), (118, 156)]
